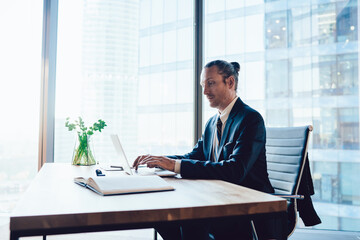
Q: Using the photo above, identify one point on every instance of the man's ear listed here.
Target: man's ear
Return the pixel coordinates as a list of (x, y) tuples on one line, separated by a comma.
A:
[(231, 81)]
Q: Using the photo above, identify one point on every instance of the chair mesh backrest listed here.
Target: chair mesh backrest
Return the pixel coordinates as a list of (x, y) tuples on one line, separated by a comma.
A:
[(285, 154)]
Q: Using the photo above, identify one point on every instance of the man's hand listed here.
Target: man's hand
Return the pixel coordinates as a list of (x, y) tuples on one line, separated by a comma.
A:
[(155, 161)]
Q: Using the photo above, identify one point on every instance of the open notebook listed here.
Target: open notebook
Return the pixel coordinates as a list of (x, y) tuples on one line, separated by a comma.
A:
[(142, 170), (113, 185)]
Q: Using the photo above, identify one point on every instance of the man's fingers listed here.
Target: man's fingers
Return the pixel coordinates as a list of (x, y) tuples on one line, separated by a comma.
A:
[(151, 161), (154, 161), (152, 164), (138, 160), (145, 159)]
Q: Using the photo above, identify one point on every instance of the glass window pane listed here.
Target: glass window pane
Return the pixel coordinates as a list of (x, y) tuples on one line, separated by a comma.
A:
[(145, 49), (276, 30), (300, 21), (278, 117), (156, 46), (277, 78), (254, 32), (145, 14), (346, 21), (130, 64), (234, 38), (301, 76), (156, 12), (170, 13), (185, 10), (254, 89), (215, 39), (213, 6), (20, 74), (170, 46), (324, 23), (184, 44), (234, 4), (253, 2), (299, 66)]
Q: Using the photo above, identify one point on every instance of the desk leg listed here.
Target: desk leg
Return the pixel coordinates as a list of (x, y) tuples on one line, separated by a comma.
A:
[(155, 235), (284, 225), (13, 236)]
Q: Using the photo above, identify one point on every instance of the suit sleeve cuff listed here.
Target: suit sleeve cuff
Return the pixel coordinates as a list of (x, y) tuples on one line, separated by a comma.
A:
[(177, 166)]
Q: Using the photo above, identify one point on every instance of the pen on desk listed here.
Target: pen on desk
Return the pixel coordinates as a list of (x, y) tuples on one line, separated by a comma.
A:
[(113, 166)]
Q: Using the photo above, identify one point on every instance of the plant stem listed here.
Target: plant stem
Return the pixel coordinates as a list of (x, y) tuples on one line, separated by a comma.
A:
[(83, 154)]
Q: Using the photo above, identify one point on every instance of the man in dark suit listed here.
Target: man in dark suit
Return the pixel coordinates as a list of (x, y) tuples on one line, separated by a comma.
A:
[(232, 148)]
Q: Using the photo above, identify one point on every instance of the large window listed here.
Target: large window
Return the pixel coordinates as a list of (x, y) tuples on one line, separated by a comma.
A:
[(299, 65), (20, 74), (129, 63)]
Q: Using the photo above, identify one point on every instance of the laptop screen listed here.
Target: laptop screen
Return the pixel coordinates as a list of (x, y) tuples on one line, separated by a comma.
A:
[(120, 151)]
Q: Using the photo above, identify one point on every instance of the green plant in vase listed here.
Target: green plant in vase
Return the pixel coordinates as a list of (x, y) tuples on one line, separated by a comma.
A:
[(83, 154)]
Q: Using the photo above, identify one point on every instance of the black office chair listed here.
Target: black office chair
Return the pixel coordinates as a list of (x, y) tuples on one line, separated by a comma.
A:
[(286, 151)]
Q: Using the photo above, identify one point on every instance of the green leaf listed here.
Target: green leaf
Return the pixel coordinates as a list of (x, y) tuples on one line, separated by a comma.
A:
[(82, 129)]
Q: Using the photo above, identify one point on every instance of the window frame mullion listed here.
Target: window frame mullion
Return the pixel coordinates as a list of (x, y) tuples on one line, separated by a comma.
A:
[(198, 62), (48, 78)]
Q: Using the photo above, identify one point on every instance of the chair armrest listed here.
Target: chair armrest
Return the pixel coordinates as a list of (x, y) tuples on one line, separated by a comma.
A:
[(289, 196)]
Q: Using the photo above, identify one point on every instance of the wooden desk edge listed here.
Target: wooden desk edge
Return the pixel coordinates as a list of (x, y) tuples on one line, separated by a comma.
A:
[(19, 223)]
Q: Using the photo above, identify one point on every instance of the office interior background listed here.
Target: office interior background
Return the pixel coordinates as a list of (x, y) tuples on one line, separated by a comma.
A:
[(131, 63)]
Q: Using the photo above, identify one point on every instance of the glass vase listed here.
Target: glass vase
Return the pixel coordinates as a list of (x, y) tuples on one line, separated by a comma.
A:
[(83, 153)]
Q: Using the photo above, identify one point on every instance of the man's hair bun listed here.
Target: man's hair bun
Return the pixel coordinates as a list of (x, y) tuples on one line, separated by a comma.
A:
[(236, 66)]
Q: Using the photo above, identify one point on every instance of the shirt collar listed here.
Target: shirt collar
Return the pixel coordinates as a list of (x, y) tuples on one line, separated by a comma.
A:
[(225, 114)]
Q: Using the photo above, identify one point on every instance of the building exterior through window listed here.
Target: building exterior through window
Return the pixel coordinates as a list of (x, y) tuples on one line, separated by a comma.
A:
[(299, 66)]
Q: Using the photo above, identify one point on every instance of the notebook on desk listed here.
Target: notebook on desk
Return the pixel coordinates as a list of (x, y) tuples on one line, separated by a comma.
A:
[(142, 170), (114, 185)]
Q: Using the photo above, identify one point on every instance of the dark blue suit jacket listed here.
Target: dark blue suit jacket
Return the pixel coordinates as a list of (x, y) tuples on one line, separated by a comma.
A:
[(242, 157)]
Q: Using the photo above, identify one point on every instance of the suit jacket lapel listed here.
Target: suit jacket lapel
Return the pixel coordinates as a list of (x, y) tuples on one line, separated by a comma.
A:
[(224, 136), (212, 133), (228, 124)]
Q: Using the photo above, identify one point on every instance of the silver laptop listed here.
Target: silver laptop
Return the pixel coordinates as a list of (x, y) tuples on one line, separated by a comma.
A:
[(141, 170)]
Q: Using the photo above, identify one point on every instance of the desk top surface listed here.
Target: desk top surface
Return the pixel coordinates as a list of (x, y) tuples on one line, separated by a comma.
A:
[(54, 200)]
